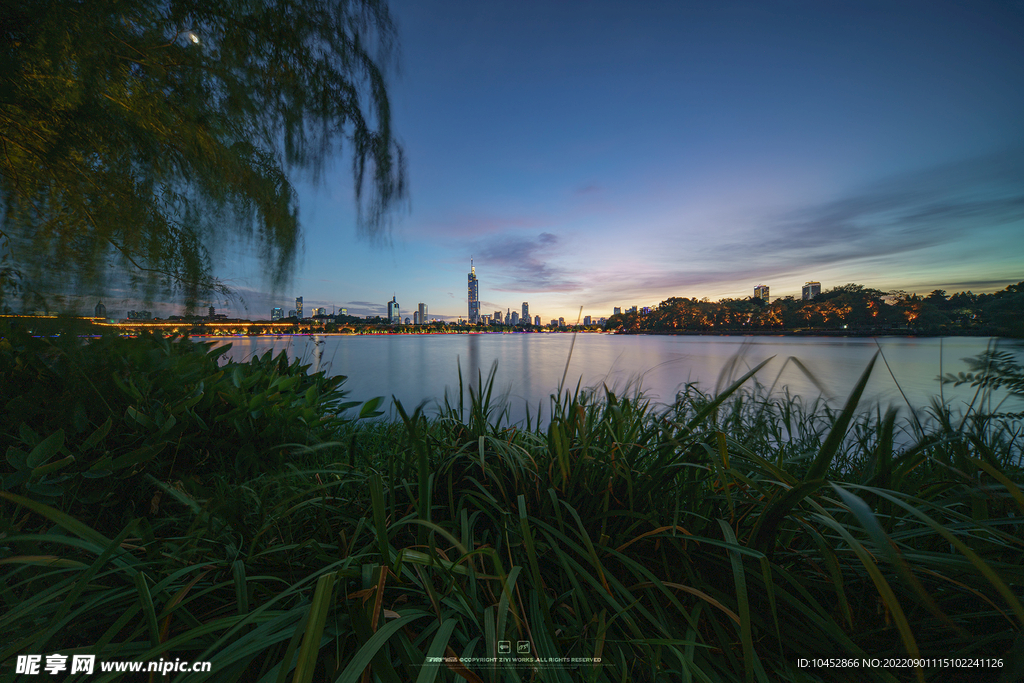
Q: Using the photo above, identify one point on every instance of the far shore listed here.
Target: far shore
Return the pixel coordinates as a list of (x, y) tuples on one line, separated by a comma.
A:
[(230, 328)]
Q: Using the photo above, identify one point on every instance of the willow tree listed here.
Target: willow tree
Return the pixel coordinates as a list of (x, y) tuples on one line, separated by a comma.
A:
[(136, 133)]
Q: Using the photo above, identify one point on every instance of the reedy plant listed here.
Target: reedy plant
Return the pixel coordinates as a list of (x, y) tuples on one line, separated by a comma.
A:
[(706, 542)]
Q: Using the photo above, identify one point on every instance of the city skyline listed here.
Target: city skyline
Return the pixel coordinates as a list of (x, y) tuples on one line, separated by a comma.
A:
[(604, 155)]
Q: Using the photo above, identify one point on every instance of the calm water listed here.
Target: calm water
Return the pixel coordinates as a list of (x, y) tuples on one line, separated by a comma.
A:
[(416, 368)]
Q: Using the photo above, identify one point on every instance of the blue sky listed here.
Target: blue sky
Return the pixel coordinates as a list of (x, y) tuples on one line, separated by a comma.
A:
[(602, 154)]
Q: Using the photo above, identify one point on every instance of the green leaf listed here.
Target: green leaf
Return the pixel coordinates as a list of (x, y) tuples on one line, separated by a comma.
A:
[(53, 466), (369, 409), (46, 449), (835, 437), (137, 456), (310, 648), (97, 435), (17, 458), (366, 653), (437, 648)]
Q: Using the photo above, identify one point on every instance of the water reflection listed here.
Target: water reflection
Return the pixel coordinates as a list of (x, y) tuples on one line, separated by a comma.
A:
[(418, 368)]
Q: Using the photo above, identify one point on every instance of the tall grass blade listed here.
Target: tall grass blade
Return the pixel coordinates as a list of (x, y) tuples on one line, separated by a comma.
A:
[(837, 434), (318, 611)]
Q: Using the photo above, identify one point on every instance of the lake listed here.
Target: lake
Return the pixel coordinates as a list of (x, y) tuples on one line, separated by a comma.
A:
[(417, 368)]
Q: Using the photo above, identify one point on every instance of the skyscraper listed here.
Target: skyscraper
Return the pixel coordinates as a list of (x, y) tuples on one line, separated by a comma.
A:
[(536, 320), (422, 315), (393, 315), (526, 313), (474, 295), (761, 292), (515, 318), (298, 307), (811, 290), (276, 313)]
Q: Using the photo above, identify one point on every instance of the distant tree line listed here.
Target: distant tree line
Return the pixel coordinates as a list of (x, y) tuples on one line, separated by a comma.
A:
[(849, 307)]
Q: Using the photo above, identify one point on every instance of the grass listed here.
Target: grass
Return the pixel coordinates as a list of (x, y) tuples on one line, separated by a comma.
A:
[(723, 538)]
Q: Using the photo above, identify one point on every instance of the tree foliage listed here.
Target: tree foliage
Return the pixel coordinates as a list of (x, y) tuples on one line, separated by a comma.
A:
[(847, 307), (134, 134)]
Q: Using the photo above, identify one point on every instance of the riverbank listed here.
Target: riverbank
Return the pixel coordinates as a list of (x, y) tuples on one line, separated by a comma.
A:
[(199, 327), (727, 535)]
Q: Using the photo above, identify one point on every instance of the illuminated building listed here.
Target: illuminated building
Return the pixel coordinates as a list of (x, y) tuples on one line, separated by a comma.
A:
[(761, 292), (393, 315), (811, 290), (474, 295)]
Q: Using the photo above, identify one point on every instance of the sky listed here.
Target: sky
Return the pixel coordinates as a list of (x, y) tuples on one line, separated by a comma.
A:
[(601, 154)]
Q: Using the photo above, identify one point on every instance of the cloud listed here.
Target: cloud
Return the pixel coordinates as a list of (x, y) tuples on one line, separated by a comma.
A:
[(475, 225), (938, 206), (519, 265), (589, 188), (966, 208), (365, 308), (977, 284)]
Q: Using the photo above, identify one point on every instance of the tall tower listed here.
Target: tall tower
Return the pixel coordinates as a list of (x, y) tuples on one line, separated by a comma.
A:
[(526, 313), (298, 307), (761, 292), (422, 313), (394, 317), (474, 295), (811, 290)]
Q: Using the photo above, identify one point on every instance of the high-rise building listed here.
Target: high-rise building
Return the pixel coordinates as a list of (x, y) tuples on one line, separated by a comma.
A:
[(393, 315), (291, 313), (474, 295), (342, 311), (617, 310), (276, 313), (526, 313), (761, 292), (536, 320), (212, 311), (422, 315), (811, 290), (101, 310), (515, 318), (497, 318), (561, 322), (298, 307), (586, 320)]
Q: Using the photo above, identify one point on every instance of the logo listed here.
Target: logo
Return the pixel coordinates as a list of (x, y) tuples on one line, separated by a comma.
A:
[(523, 647), (504, 647)]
